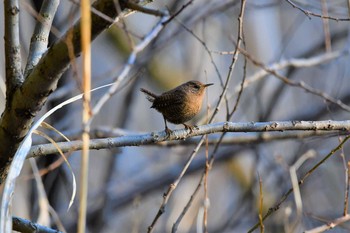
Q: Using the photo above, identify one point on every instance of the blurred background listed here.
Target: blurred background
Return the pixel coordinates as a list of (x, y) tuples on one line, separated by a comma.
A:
[(126, 185)]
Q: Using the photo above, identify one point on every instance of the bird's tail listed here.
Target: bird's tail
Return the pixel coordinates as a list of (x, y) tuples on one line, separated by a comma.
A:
[(149, 95)]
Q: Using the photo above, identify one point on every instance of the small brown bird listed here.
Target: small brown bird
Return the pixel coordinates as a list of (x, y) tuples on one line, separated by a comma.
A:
[(180, 104)]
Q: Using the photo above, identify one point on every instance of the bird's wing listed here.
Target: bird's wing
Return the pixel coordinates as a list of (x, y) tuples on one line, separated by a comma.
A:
[(172, 98)]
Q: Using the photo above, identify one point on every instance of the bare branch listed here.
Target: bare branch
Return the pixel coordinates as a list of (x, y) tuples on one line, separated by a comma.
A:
[(14, 77), (308, 13), (39, 40), (26, 226), (41, 82), (181, 134), (330, 225), (126, 69), (300, 182), (136, 7), (295, 185), (173, 186), (300, 84), (261, 205)]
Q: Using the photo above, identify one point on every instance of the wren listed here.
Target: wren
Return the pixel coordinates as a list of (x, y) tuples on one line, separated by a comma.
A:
[(180, 104)]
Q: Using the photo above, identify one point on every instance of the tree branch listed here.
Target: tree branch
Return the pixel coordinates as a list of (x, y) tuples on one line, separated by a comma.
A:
[(41, 82), (330, 225), (39, 40), (26, 226), (156, 137), (308, 13), (14, 77)]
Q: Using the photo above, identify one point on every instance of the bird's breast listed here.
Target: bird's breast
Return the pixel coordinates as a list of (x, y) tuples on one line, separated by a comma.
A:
[(182, 111)]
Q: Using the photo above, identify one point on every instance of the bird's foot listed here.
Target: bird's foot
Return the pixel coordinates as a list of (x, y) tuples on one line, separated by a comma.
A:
[(168, 132), (190, 127)]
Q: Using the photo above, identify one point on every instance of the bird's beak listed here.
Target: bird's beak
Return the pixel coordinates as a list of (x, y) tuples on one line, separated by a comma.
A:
[(208, 84)]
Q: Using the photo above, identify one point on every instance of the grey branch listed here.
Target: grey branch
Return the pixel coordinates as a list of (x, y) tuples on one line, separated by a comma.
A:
[(42, 81), (14, 77), (26, 226), (330, 225), (157, 137), (39, 40)]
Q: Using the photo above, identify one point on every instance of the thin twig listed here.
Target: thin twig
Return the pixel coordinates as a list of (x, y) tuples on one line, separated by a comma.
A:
[(40, 83), (210, 162), (240, 89), (301, 182), (133, 6), (325, 21), (126, 69), (308, 13), (206, 49), (296, 189), (186, 208), (179, 11), (299, 84), (261, 205), (347, 181), (172, 186), (206, 197), (330, 225)]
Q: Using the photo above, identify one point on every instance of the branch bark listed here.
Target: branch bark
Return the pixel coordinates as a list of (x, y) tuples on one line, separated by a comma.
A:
[(26, 226), (14, 77), (39, 40), (42, 81), (156, 137)]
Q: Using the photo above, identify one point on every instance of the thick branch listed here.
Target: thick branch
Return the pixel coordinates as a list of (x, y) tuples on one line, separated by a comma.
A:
[(156, 137), (41, 82), (14, 77)]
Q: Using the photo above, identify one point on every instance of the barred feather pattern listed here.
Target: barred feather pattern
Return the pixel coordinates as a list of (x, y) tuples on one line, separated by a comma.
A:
[(150, 96)]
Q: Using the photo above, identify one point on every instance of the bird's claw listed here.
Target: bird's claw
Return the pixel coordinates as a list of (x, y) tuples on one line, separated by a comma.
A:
[(190, 127), (168, 132)]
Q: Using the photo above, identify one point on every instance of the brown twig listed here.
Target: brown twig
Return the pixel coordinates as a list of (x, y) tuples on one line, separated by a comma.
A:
[(172, 186), (299, 84), (240, 90), (86, 67), (188, 205), (178, 12), (347, 181), (206, 197), (308, 13), (206, 49), (325, 21), (133, 6), (261, 204)]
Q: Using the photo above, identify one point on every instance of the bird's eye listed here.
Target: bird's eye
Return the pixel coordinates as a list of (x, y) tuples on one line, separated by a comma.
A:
[(196, 86)]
